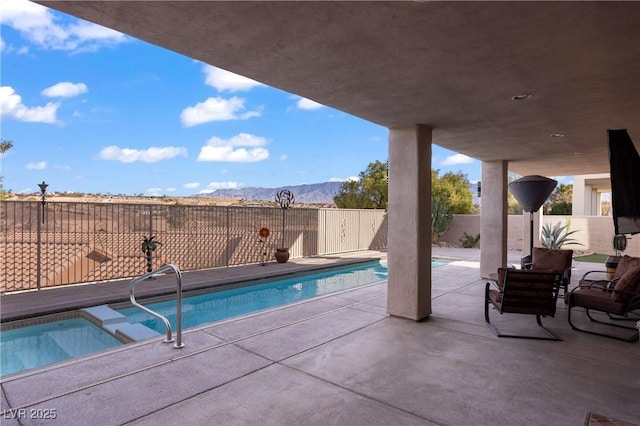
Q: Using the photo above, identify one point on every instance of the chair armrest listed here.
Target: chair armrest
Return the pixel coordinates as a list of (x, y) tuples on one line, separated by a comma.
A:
[(493, 283), (586, 275)]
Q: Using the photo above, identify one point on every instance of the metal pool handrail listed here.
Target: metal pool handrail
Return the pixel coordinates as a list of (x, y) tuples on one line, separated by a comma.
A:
[(164, 319)]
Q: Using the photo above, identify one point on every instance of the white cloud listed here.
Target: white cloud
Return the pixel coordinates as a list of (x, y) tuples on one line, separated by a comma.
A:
[(308, 104), (227, 150), (65, 90), (350, 178), (155, 192), (223, 185), (216, 109), (38, 25), (149, 155), (171, 190), (223, 80), (191, 185), (457, 159), (11, 106), (284, 157), (40, 165)]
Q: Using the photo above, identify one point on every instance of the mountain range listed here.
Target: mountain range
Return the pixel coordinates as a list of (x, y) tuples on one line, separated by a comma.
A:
[(315, 193)]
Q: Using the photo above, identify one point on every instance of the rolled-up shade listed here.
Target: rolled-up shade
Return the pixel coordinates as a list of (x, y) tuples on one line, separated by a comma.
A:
[(624, 163)]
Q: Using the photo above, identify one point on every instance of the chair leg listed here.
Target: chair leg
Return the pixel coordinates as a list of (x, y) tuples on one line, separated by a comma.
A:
[(497, 332), (631, 338), (624, 318)]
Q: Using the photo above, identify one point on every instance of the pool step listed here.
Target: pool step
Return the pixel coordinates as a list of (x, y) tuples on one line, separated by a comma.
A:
[(116, 323)]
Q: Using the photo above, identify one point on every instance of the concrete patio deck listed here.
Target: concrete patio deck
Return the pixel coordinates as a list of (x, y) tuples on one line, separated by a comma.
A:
[(341, 360)]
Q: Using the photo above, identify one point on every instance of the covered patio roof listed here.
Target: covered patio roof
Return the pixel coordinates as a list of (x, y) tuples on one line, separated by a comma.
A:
[(453, 66)]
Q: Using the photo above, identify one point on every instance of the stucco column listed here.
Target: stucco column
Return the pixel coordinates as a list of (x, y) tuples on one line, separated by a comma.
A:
[(409, 226), (493, 217)]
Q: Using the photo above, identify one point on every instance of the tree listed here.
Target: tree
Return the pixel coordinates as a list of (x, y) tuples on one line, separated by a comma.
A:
[(513, 206), (370, 191), (4, 147), (450, 194), (455, 187), (560, 201)]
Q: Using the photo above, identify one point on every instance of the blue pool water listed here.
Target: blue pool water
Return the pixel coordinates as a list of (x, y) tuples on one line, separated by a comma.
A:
[(57, 340), (37, 345), (214, 306)]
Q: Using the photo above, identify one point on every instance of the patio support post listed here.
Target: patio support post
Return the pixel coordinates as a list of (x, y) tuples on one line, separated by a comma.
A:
[(409, 222), (526, 234), (493, 217)]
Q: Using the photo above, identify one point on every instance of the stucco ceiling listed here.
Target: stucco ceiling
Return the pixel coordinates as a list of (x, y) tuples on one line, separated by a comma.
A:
[(454, 66)]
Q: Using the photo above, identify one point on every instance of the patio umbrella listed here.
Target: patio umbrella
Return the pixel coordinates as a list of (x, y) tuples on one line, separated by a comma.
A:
[(624, 163), (531, 192)]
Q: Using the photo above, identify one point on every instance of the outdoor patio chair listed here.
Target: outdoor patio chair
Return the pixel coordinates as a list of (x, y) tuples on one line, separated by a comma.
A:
[(617, 298), (553, 260), (523, 292)]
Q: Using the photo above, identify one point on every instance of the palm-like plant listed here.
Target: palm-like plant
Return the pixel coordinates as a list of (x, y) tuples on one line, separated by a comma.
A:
[(148, 247), (556, 237)]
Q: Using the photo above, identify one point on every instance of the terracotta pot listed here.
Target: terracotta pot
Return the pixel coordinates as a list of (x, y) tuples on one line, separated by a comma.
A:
[(282, 255)]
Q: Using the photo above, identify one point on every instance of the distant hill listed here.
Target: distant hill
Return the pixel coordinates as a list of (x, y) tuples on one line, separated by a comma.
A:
[(317, 193)]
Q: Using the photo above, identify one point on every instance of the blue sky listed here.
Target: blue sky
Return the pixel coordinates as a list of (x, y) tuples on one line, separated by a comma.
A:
[(92, 110)]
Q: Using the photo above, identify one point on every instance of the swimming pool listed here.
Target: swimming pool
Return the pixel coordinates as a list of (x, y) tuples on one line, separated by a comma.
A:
[(213, 306), (45, 340), (56, 340)]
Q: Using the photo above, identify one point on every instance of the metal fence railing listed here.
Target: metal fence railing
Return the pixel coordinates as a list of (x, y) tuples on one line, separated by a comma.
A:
[(63, 243)]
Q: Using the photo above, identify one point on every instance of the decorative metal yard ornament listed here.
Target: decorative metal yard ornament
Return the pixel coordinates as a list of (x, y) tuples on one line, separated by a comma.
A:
[(148, 247), (43, 193), (285, 199), (619, 243), (264, 234)]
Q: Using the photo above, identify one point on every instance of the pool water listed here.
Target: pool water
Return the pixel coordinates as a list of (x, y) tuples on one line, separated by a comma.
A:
[(37, 345), (214, 306), (67, 336)]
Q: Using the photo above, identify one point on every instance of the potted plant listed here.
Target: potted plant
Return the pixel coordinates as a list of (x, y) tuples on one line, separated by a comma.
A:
[(148, 247), (285, 199)]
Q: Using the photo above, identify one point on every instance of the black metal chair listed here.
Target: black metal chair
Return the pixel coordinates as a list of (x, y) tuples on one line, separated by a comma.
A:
[(617, 298), (523, 292)]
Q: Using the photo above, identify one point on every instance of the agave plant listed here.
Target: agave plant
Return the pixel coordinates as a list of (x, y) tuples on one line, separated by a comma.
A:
[(556, 237)]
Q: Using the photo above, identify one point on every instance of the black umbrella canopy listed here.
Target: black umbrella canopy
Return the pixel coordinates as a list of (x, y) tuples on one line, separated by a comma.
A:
[(532, 191)]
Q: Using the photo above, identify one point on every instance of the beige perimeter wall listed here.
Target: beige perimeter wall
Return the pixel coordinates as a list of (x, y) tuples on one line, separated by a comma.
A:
[(595, 233)]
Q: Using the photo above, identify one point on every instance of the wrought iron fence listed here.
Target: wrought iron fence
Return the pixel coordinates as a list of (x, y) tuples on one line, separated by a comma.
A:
[(66, 243)]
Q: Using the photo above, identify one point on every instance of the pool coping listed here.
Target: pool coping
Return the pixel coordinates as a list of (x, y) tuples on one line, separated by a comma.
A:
[(22, 305)]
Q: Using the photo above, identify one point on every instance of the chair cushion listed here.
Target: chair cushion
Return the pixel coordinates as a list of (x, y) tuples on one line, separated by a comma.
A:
[(551, 260), (627, 282), (596, 299), (626, 263)]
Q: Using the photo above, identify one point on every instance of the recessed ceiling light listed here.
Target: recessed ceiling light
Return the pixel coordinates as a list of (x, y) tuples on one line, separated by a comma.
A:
[(557, 135), (521, 97)]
